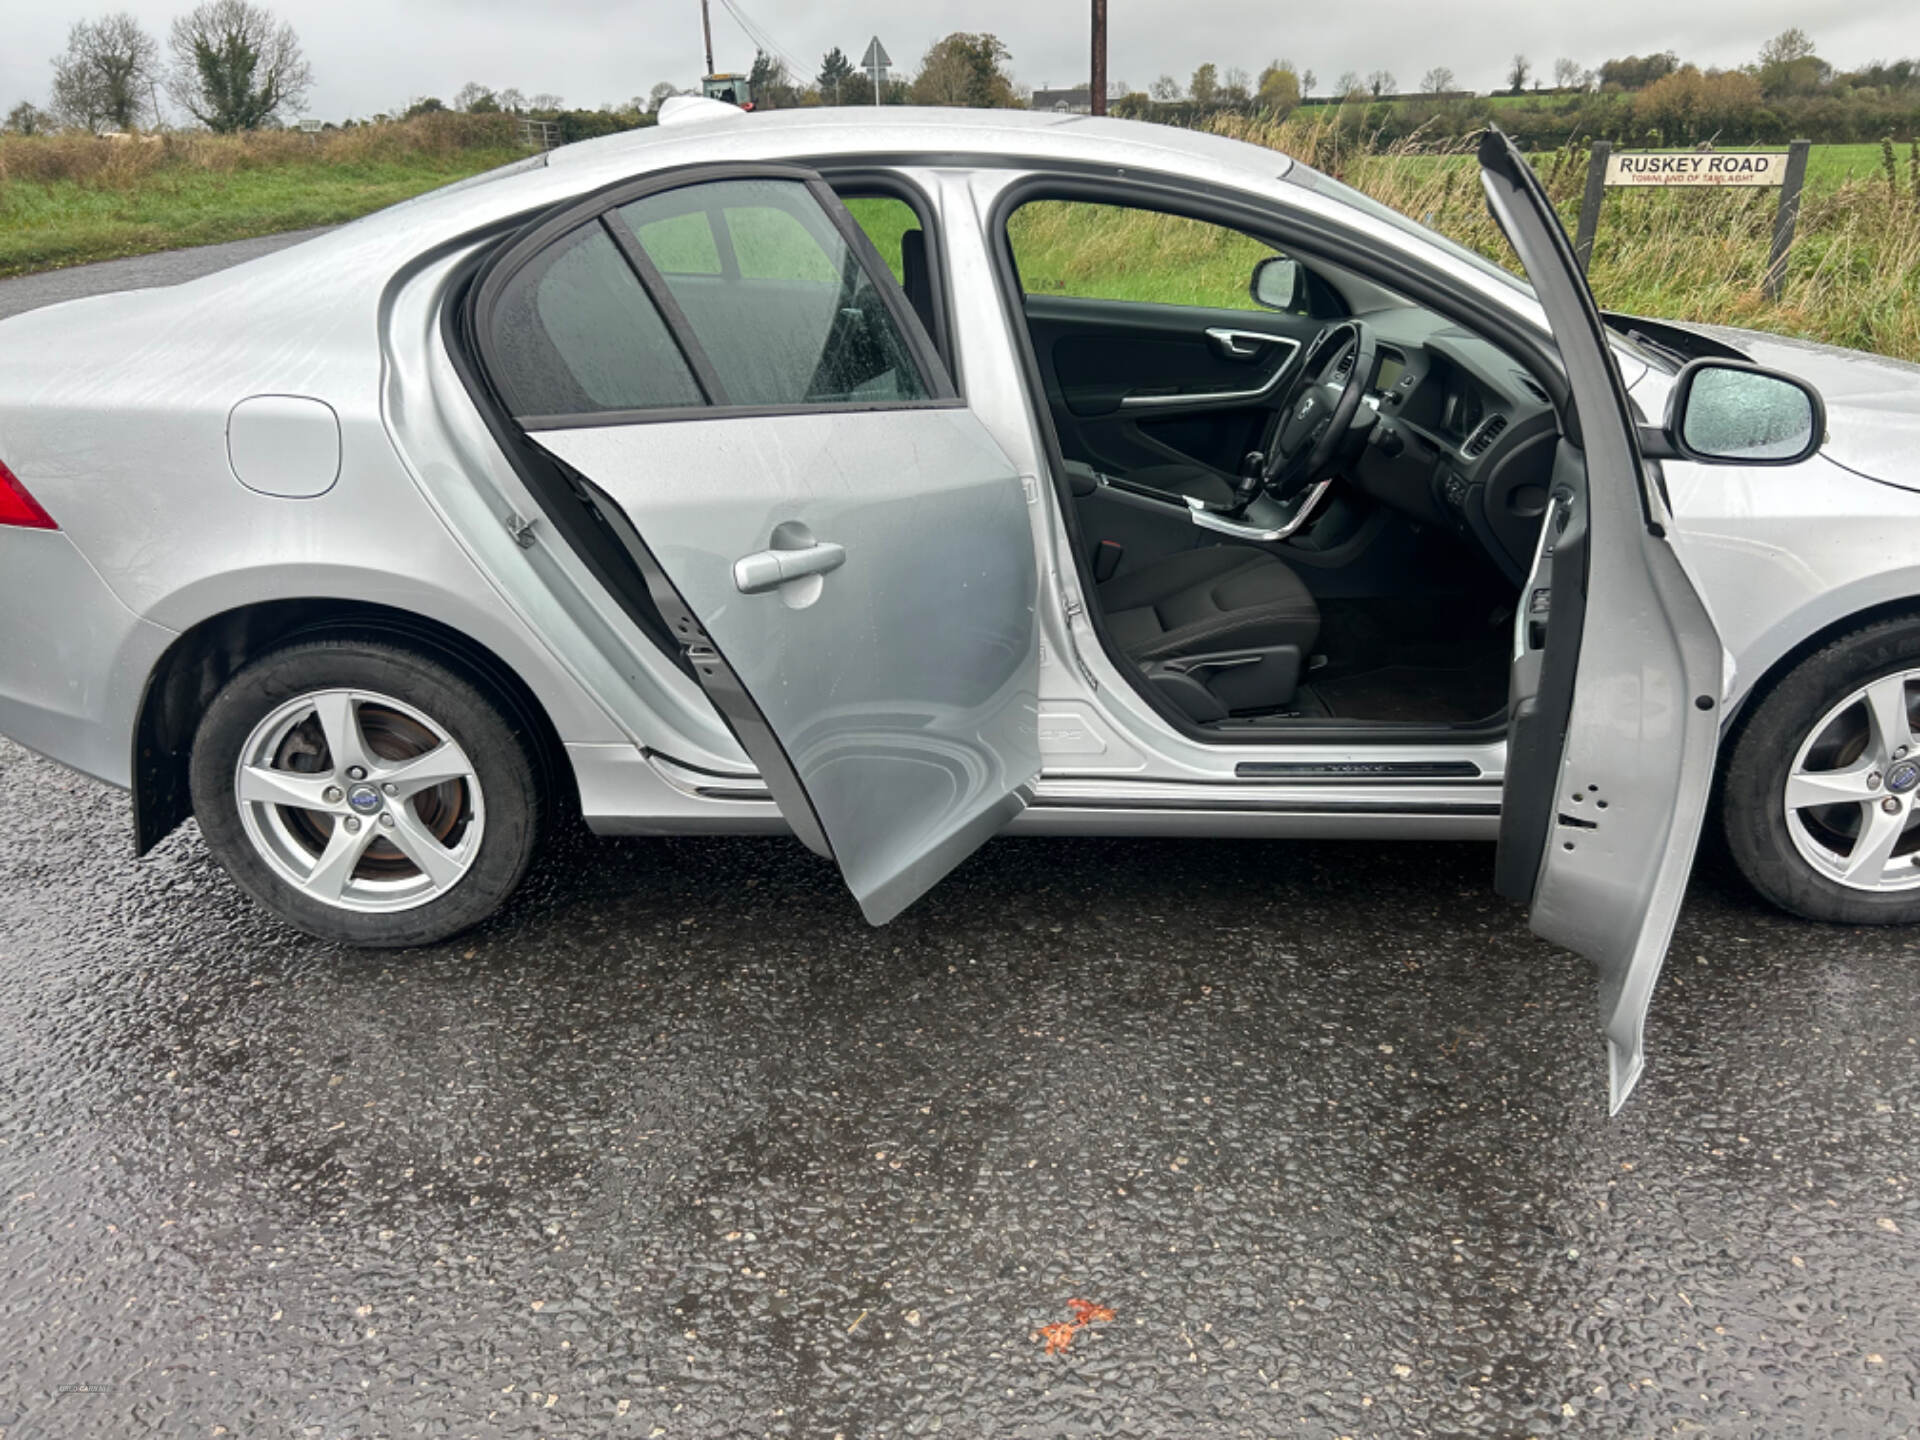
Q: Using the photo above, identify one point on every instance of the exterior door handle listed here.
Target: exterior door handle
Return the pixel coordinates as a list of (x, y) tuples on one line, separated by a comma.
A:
[(766, 570)]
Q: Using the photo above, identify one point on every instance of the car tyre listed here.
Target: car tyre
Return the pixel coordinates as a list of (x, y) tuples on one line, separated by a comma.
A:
[(1818, 721), (436, 778)]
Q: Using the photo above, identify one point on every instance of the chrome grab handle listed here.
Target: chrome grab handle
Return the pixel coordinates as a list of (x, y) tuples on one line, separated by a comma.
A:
[(1199, 399), (1208, 519), (766, 570), (1242, 344)]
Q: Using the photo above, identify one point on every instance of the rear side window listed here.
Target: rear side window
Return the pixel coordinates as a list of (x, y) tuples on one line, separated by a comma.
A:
[(790, 315), (574, 333), (737, 294)]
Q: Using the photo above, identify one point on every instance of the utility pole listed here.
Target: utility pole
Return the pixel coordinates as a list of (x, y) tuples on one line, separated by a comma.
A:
[(706, 29), (1097, 86)]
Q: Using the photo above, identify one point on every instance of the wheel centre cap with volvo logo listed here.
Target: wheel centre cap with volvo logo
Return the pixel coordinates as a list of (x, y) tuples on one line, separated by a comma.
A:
[(364, 799), (1903, 777)]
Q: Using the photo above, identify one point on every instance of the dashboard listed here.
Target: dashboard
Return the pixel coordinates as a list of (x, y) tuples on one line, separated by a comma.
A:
[(1463, 438)]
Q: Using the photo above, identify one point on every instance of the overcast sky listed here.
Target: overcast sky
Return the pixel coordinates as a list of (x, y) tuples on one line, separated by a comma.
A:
[(369, 56)]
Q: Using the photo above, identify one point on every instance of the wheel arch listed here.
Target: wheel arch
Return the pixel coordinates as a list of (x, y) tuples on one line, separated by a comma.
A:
[(207, 654), (1786, 660)]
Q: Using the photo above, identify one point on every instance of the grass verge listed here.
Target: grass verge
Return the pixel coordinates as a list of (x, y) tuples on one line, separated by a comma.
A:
[(68, 200)]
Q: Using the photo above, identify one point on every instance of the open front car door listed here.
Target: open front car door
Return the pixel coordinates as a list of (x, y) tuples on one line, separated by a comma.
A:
[(1614, 711), (722, 374)]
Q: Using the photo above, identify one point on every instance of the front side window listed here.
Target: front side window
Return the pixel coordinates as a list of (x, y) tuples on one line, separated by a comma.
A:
[(735, 293), (1088, 251), (780, 304)]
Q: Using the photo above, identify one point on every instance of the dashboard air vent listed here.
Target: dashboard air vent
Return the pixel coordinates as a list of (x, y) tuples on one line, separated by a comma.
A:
[(1532, 387), (1345, 367), (1482, 439)]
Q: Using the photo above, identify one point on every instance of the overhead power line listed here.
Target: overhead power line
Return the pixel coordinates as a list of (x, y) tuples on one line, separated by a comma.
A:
[(762, 40)]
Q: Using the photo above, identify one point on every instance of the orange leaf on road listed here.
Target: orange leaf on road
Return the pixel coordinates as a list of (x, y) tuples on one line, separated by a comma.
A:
[(1058, 1337)]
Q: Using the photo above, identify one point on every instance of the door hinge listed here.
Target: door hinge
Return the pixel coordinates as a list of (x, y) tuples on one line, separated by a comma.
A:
[(520, 528)]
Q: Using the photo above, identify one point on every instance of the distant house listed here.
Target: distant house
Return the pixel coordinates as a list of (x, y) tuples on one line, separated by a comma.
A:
[(1077, 100)]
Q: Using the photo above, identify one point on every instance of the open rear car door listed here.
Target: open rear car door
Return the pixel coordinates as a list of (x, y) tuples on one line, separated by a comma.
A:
[(1614, 710), (728, 379)]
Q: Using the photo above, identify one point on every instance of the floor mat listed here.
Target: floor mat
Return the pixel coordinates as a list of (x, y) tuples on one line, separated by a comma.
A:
[(1414, 692)]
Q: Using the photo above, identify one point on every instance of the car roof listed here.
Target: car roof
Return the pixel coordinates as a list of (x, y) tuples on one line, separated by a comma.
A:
[(701, 131)]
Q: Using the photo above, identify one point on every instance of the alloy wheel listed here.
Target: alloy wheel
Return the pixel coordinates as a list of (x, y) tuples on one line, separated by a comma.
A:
[(359, 800), (1850, 792)]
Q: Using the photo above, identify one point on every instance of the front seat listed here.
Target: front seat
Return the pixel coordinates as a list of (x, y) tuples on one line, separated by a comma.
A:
[(1221, 630)]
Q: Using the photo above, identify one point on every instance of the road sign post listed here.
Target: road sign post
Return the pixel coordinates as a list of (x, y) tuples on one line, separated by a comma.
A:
[(1785, 171), (1786, 217), (875, 62)]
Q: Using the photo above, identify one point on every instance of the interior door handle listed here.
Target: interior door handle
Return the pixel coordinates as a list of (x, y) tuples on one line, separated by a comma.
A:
[(766, 570), (1239, 344)]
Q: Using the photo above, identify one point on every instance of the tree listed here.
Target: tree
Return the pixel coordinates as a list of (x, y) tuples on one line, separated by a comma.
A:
[(1349, 85), (426, 105), (1279, 90), (1381, 82), (105, 79), (1204, 87), (964, 69), (476, 99), (1307, 81), (835, 70), (1886, 75), (1567, 74), (548, 103), (1688, 107), (1788, 65), (1517, 72), (235, 67), (1437, 81), (655, 97), (1164, 89), (1235, 86), (511, 100), (1636, 72), (28, 119), (772, 86)]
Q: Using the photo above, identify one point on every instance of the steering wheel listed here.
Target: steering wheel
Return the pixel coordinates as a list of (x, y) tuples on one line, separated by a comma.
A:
[(1309, 438)]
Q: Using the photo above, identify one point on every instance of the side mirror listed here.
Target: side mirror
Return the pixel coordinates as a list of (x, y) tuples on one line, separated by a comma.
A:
[(1727, 412), (1276, 283)]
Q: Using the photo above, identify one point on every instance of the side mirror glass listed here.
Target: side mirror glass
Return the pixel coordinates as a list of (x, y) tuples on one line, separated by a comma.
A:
[(1740, 414), (1276, 283)]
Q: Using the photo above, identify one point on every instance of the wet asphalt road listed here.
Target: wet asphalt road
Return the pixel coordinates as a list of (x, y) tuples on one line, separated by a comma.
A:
[(136, 272), (678, 1146)]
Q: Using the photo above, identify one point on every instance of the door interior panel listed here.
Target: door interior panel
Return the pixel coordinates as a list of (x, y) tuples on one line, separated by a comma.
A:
[(1096, 355)]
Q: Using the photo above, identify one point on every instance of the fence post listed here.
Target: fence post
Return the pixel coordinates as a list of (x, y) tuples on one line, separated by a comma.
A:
[(1786, 217), (1590, 203)]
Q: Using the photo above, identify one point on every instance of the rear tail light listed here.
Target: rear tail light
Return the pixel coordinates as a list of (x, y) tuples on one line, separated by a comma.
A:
[(19, 508)]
